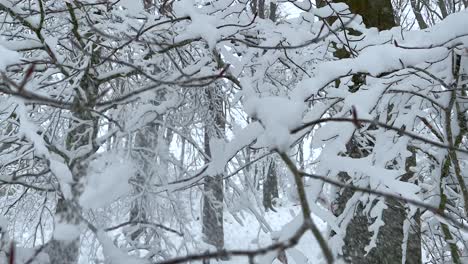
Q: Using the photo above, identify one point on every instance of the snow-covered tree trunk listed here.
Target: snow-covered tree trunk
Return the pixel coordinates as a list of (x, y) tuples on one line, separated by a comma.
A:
[(145, 138), (388, 247), (417, 6), (213, 188), (213, 195), (413, 246), (80, 139), (270, 178)]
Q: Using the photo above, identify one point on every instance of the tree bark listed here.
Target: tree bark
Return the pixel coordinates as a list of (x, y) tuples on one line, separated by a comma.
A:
[(146, 137), (270, 187), (82, 132), (416, 5), (379, 14), (212, 214), (375, 13), (261, 8), (273, 9)]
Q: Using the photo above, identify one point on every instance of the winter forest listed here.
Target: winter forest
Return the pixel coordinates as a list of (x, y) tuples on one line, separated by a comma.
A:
[(233, 131)]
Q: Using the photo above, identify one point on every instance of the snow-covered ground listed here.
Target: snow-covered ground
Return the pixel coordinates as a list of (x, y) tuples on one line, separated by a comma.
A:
[(249, 235)]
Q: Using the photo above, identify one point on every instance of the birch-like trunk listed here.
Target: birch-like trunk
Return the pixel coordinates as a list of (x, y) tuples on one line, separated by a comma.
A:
[(213, 196)]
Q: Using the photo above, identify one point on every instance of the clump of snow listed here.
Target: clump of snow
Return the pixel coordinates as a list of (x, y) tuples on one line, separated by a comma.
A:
[(278, 115), (66, 232), (222, 152), (202, 25), (8, 57), (219, 159), (64, 176), (376, 212), (390, 58), (133, 7), (107, 181), (3, 223), (113, 254)]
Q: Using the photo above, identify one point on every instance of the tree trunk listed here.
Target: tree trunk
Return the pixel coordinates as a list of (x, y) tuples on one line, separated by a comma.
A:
[(80, 135), (65, 252), (146, 137), (413, 248), (148, 4), (270, 183), (375, 13), (270, 187), (261, 8), (379, 14), (212, 215), (273, 9), (416, 5)]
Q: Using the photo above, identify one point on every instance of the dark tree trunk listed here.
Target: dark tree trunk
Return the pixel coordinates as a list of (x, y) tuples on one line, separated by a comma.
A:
[(375, 13), (388, 249), (213, 189), (261, 8), (417, 5), (413, 248), (273, 9), (258, 6), (270, 187), (148, 4)]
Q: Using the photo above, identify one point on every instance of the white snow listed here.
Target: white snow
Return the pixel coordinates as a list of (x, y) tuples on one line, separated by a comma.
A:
[(278, 115), (114, 255), (133, 7), (66, 232), (107, 181), (201, 25), (8, 57)]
